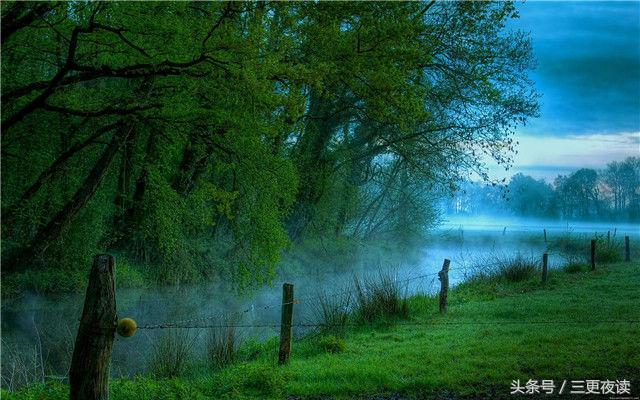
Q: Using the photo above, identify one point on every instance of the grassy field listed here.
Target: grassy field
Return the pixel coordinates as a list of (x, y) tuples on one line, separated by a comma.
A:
[(474, 351)]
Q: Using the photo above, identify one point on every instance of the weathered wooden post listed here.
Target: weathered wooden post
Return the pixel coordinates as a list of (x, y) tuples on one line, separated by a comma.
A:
[(443, 275), (627, 251), (286, 327), (608, 236), (545, 235), (545, 261), (89, 371), (593, 254)]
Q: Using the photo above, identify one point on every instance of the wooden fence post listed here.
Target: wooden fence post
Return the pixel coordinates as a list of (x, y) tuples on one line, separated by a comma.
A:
[(593, 254), (89, 371), (545, 261), (443, 275), (627, 251), (545, 235), (286, 326)]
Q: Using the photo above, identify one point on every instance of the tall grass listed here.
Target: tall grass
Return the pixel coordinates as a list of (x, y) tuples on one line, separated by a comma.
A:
[(513, 268), (331, 312), (379, 298), (608, 250), (172, 352), (576, 249), (223, 343)]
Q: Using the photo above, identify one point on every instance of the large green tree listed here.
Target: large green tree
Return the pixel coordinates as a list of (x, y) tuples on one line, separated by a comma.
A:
[(200, 137)]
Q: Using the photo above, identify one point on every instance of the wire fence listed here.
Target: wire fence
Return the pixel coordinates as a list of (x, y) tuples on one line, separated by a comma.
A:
[(407, 323), (201, 322)]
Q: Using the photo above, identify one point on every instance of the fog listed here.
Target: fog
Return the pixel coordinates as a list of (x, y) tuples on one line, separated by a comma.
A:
[(39, 331)]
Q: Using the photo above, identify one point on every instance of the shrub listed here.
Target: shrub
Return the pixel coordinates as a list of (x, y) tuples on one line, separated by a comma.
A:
[(128, 275), (573, 268), (518, 268), (250, 349), (608, 250), (263, 379), (576, 249), (572, 248), (171, 353), (379, 298), (223, 343), (332, 312), (332, 344)]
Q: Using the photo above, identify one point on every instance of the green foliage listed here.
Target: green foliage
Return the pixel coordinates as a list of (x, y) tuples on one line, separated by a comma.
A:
[(577, 248), (251, 349), (573, 268), (518, 268), (199, 142), (254, 380), (608, 250), (172, 354), (332, 344), (379, 298), (44, 281), (129, 276), (222, 343), (332, 311)]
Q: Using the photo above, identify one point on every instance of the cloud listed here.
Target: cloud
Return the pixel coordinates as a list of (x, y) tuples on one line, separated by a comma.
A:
[(576, 151), (545, 156), (588, 65)]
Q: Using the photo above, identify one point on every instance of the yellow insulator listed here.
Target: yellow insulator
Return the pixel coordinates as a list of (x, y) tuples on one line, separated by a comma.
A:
[(127, 327)]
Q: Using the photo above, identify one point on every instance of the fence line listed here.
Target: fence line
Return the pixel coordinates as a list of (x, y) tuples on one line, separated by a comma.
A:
[(461, 267), (88, 373), (405, 323), (298, 300)]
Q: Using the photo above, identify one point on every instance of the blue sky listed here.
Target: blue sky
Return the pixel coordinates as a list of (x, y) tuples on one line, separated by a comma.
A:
[(588, 73)]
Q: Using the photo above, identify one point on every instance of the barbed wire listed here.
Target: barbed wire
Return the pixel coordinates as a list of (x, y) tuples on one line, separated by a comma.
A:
[(474, 267), (461, 267), (266, 307), (398, 323)]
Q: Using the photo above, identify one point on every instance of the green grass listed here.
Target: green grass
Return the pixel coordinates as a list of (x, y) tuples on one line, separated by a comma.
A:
[(474, 351)]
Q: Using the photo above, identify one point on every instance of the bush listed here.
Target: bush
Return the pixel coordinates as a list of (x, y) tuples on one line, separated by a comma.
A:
[(332, 312), (223, 343), (171, 354), (127, 275), (608, 250), (573, 268), (518, 268), (574, 249), (262, 379), (332, 344), (379, 298), (251, 349), (577, 249)]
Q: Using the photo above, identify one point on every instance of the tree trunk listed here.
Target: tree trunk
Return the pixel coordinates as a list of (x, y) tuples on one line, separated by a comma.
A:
[(312, 163), (8, 215), (124, 184), (51, 231)]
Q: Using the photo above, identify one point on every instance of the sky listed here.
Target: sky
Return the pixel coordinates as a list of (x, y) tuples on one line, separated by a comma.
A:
[(588, 76)]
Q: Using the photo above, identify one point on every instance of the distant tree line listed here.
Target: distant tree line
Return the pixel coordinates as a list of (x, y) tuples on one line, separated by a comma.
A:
[(203, 138), (612, 193)]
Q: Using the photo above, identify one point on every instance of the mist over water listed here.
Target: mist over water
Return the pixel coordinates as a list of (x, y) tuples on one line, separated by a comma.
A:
[(41, 329)]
